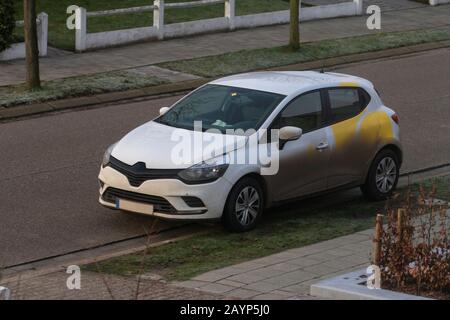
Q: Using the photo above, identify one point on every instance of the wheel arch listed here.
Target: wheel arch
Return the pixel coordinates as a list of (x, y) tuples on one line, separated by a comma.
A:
[(262, 182), (397, 150), (390, 146)]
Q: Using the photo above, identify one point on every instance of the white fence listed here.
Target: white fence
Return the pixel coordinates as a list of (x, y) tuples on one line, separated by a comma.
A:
[(85, 41), (438, 2), (17, 50)]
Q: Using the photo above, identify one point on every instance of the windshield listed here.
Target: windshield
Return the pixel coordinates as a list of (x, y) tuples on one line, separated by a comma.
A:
[(223, 108)]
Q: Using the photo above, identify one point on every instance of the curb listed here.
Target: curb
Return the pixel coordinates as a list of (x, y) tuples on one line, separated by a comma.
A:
[(102, 99)]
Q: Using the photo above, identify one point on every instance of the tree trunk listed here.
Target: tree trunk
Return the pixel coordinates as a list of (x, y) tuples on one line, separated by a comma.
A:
[(294, 39), (31, 44)]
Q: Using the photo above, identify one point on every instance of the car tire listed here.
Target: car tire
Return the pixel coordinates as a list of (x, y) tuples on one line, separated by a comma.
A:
[(244, 206), (382, 177)]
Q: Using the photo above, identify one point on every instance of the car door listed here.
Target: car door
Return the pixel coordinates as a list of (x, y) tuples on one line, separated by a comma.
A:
[(349, 148), (303, 162)]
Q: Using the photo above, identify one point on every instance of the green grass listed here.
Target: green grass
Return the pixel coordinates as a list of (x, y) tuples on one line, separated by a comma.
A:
[(291, 226), (76, 86), (61, 37), (247, 60), (441, 186)]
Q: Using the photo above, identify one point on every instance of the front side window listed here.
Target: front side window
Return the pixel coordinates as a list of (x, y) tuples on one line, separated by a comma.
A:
[(223, 108), (344, 103), (304, 112)]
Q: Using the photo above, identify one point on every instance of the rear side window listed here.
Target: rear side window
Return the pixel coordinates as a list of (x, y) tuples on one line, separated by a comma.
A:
[(365, 98), (345, 103), (304, 112)]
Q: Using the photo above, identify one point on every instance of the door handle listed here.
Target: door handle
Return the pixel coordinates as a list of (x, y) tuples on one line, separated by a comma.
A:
[(322, 146)]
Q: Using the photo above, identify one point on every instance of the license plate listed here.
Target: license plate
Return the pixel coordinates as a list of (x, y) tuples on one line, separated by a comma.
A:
[(134, 206)]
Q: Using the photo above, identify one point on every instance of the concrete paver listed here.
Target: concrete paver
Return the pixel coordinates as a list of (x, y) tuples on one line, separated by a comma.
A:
[(243, 293), (231, 283), (100, 287)]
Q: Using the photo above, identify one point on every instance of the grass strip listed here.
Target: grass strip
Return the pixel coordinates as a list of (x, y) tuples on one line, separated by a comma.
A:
[(77, 86), (255, 59)]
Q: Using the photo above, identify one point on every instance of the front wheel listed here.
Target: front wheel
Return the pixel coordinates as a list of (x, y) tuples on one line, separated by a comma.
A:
[(244, 207), (383, 176)]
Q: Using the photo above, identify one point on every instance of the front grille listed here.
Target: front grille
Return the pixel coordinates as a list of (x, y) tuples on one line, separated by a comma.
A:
[(159, 204), (138, 173), (193, 202)]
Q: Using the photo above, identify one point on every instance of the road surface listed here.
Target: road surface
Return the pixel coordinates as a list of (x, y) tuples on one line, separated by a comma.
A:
[(49, 165)]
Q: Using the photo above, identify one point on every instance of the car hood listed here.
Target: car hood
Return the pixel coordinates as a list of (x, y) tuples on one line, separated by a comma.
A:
[(160, 146)]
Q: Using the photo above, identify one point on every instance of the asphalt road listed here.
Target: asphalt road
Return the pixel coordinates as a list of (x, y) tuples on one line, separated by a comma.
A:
[(49, 165)]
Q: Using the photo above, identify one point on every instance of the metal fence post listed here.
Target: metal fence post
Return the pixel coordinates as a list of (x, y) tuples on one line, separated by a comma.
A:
[(230, 12), (80, 29), (158, 17)]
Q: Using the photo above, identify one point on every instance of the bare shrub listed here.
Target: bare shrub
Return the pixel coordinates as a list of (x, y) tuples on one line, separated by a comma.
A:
[(415, 247)]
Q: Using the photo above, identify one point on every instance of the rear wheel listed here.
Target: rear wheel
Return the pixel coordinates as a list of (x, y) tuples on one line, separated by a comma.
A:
[(383, 176), (244, 207)]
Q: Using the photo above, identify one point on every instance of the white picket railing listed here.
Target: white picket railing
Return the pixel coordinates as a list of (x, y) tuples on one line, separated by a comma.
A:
[(438, 2), (17, 50), (159, 30)]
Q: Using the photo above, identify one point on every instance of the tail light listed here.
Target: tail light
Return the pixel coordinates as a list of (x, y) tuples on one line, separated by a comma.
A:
[(396, 118)]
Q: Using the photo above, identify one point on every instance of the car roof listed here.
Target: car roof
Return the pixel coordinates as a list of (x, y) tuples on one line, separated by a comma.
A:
[(290, 82)]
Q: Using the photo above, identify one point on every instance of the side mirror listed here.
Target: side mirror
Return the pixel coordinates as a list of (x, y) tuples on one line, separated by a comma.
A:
[(163, 110), (289, 134)]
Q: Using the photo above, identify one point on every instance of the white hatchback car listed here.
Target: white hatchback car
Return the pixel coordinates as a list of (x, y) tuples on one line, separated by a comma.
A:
[(329, 131)]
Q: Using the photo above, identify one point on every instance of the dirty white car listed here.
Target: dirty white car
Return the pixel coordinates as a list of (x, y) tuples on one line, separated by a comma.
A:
[(333, 132)]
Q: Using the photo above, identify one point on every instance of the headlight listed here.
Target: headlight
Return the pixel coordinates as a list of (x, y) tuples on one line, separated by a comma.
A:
[(107, 154), (206, 171)]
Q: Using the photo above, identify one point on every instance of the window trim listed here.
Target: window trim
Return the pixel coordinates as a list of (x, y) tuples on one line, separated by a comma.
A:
[(323, 107), (361, 91)]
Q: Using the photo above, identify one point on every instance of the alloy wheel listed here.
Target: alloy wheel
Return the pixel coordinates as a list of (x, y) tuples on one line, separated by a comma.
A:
[(247, 205), (386, 175)]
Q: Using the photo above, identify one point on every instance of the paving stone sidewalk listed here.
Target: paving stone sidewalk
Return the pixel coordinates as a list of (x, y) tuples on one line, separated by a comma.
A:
[(285, 275), (281, 276), (100, 287), (59, 65), (289, 274)]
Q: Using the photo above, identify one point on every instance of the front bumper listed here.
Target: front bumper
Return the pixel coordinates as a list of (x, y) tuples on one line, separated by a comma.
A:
[(169, 195)]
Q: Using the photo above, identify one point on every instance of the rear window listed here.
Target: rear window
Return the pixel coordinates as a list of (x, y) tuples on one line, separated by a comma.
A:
[(346, 103)]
